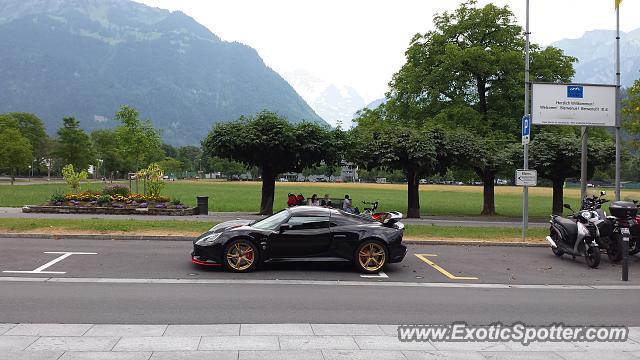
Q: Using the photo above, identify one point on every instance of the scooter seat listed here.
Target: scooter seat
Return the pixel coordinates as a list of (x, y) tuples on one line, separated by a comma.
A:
[(569, 226)]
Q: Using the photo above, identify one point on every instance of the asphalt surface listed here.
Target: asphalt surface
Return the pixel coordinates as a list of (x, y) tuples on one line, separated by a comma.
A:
[(9, 212), (154, 282)]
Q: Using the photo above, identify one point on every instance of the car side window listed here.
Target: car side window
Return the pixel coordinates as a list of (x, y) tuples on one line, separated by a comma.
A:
[(346, 220), (308, 222)]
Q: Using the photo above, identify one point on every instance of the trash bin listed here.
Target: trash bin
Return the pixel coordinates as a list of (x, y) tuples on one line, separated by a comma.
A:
[(203, 205)]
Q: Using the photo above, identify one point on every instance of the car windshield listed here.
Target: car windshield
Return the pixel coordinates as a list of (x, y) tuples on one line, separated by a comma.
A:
[(271, 222)]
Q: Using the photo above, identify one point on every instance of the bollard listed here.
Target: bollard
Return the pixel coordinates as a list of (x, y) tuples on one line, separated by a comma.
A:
[(203, 205), (625, 255)]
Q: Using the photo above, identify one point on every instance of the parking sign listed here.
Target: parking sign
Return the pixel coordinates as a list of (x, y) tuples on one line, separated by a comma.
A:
[(526, 129)]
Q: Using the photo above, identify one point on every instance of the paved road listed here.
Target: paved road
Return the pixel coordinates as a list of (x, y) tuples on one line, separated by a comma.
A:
[(9, 212), (147, 282)]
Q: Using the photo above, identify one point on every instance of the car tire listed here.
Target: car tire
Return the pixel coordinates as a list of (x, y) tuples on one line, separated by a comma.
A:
[(371, 256), (240, 256)]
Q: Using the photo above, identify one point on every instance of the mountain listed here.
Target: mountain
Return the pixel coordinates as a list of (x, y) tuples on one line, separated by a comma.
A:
[(595, 51), (86, 58), (334, 103)]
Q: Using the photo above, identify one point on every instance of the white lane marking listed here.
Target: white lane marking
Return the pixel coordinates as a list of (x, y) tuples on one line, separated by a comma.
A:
[(39, 270), (379, 275), (318, 282)]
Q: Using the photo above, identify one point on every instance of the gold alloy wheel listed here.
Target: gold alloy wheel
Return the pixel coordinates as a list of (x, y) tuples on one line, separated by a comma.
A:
[(372, 257), (240, 256)]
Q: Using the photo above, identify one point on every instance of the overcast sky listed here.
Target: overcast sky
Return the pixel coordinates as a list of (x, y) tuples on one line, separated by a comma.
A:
[(361, 43)]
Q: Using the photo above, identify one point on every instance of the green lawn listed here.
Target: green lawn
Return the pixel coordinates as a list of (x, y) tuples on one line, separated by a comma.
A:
[(192, 228), (245, 196)]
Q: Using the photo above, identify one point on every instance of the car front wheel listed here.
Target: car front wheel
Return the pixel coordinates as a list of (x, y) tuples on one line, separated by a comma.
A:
[(240, 256)]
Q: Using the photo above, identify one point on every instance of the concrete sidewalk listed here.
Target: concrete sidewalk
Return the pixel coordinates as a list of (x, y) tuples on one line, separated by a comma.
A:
[(9, 212), (272, 341)]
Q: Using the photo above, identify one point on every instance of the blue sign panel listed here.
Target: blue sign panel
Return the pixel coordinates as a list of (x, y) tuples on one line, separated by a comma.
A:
[(526, 129), (576, 92)]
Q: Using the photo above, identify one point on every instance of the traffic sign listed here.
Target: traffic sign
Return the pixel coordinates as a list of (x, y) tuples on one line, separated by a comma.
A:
[(526, 177), (526, 129)]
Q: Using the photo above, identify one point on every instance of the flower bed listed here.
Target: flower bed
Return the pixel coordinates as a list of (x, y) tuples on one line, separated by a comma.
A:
[(113, 199), (65, 209)]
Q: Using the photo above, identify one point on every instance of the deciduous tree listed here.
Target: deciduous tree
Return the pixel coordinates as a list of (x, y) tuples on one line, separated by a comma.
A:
[(15, 151), (73, 145), (270, 142), (468, 73), (138, 139)]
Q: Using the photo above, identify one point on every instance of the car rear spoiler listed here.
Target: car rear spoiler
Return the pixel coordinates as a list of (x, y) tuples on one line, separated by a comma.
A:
[(389, 218)]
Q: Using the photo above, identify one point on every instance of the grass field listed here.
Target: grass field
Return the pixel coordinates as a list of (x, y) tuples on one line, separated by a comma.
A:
[(245, 196), (193, 228)]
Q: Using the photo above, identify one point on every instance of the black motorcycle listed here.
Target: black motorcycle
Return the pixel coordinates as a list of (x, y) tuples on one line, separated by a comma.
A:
[(610, 228), (591, 208), (623, 219), (576, 236)]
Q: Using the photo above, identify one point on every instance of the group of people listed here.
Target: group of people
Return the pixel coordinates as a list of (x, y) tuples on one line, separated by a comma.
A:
[(294, 200)]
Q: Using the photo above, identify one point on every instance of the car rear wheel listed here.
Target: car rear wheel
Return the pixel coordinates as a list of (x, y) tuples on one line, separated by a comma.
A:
[(371, 256), (241, 256)]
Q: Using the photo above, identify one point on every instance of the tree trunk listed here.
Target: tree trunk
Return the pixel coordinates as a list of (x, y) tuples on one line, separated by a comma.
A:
[(268, 191), (558, 196), (488, 193), (413, 194)]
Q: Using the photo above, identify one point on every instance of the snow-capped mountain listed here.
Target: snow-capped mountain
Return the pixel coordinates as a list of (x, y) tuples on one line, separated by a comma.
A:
[(335, 103)]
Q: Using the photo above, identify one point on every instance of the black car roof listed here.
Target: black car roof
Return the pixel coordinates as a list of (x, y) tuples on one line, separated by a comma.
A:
[(318, 210)]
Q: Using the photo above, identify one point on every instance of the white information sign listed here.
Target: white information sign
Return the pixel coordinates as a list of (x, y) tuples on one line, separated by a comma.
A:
[(569, 104), (526, 177)]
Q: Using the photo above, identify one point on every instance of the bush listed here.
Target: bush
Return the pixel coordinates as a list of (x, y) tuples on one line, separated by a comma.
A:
[(104, 199), (176, 201), (116, 189), (57, 197), (72, 177)]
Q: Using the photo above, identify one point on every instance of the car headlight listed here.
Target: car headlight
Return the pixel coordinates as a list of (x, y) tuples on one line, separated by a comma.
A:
[(208, 240)]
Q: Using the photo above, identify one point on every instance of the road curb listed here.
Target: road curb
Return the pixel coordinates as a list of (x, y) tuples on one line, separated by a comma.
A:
[(190, 238)]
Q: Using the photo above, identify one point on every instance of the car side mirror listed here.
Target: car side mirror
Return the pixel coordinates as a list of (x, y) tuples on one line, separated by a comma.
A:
[(567, 206), (284, 227)]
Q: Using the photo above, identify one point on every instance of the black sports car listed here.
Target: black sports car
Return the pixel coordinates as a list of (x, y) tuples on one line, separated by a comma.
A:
[(303, 233)]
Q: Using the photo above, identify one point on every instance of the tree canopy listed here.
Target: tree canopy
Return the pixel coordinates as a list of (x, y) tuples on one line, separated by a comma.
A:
[(74, 145), (139, 141), (469, 73), (15, 151), (32, 128), (268, 141)]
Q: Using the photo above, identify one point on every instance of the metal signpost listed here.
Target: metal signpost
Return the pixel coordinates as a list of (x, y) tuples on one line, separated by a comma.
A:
[(526, 129)]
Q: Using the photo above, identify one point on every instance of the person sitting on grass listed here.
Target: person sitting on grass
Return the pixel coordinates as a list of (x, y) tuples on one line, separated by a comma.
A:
[(346, 205), (292, 200), (314, 201), (326, 201), (300, 199)]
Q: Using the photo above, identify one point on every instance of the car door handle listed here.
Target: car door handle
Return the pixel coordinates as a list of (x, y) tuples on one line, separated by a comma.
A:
[(340, 236)]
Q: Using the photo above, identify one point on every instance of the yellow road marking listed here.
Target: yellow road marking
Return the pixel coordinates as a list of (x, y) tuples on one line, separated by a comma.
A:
[(441, 270)]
